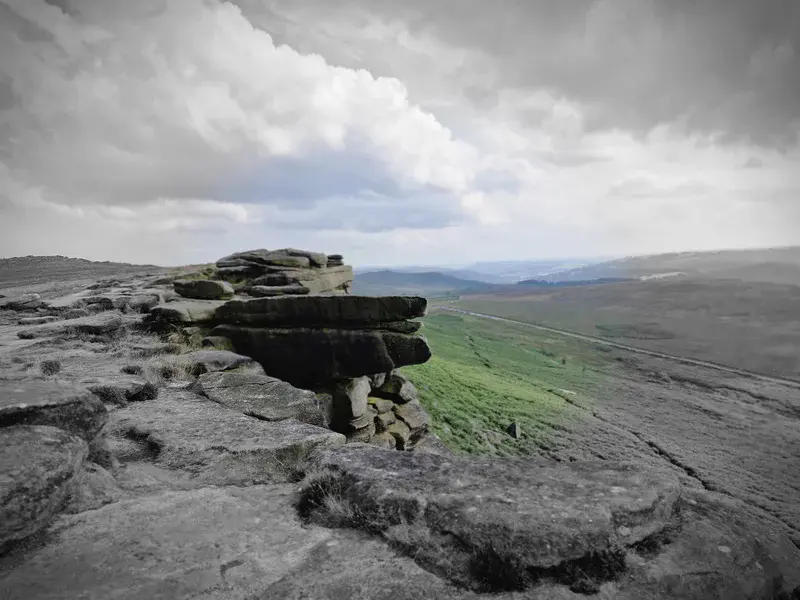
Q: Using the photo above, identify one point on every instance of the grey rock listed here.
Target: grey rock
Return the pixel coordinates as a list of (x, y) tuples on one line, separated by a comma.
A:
[(53, 403), (377, 379), (262, 291), (384, 440), (37, 320), (350, 399), (514, 430), (218, 445), (381, 404), (23, 302), (209, 361), (121, 390), (203, 289), (322, 311), (216, 342), (401, 433), (261, 396), (100, 324), (94, 487), (38, 466), (183, 312), (429, 443), (412, 414), (384, 420), (142, 303), (211, 543), (533, 514), (363, 435), (309, 358), (398, 388)]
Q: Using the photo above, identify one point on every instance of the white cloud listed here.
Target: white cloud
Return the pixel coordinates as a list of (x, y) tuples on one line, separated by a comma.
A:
[(182, 131)]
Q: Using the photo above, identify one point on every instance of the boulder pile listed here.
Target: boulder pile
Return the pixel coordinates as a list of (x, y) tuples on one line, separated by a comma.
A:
[(293, 314), (286, 272)]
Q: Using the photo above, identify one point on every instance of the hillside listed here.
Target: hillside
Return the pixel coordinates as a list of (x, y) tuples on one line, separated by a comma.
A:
[(429, 284), (32, 270), (770, 265)]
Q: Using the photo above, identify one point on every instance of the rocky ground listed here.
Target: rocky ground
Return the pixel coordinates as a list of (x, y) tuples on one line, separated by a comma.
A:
[(134, 465)]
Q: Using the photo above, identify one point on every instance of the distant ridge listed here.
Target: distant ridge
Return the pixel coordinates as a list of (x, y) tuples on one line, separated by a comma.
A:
[(768, 265), (30, 270)]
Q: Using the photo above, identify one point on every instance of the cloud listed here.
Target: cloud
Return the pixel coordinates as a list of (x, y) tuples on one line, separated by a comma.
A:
[(396, 132), (726, 67), (169, 99)]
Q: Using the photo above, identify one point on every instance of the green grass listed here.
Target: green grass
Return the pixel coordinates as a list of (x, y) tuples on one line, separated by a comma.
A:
[(485, 374)]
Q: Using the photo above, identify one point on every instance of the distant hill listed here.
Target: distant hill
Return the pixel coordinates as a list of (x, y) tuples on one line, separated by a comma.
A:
[(428, 284), (771, 265), (32, 270)]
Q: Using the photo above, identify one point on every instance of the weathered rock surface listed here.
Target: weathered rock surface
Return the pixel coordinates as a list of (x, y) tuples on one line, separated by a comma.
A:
[(28, 321), (397, 388), (99, 324), (263, 397), (121, 390), (211, 543), (38, 466), (322, 311), (203, 289), (30, 301), (94, 487), (533, 514), (263, 291), (309, 357), (412, 414), (184, 312), (215, 444), (350, 399), (53, 403), (210, 361)]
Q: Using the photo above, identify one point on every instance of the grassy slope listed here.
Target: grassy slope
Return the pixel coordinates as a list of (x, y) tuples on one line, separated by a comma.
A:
[(485, 375)]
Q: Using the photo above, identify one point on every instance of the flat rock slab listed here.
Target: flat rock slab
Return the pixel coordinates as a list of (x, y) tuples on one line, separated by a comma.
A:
[(38, 467), (262, 396), (99, 324), (309, 357), (210, 543), (208, 361), (205, 289), (186, 312), (53, 403), (537, 513), (218, 445), (322, 311)]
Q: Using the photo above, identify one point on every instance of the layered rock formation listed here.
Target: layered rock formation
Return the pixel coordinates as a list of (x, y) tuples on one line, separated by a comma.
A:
[(286, 272)]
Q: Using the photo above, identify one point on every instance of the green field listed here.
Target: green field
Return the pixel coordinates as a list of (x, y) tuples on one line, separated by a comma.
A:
[(485, 374)]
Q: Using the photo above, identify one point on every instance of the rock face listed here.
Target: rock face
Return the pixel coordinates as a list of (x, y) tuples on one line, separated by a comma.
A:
[(162, 546), (217, 445), (346, 312), (38, 466), (263, 397), (287, 272), (57, 404), (100, 324), (203, 289), (311, 358), (534, 514)]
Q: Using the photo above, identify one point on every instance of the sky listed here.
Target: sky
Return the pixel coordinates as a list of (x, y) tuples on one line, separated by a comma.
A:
[(413, 132)]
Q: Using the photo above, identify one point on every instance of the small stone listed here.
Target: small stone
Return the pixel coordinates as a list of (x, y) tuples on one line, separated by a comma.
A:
[(381, 404), (514, 431), (400, 432), (624, 531), (724, 549), (384, 440), (384, 420), (350, 399), (412, 414)]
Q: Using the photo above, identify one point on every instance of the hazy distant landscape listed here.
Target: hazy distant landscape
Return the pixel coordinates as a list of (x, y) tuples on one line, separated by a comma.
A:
[(739, 308)]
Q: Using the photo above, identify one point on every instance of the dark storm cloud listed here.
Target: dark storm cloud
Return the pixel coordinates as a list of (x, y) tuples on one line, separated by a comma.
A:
[(725, 67)]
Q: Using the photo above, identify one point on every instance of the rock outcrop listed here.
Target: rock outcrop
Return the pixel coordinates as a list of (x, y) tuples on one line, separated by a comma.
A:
[(285, 272), (291, 459)]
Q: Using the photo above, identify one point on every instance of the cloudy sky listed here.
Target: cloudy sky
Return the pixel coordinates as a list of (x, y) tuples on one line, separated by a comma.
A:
[(397, 132)]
